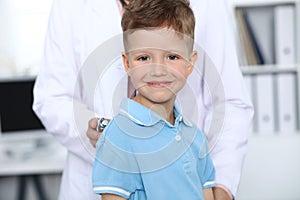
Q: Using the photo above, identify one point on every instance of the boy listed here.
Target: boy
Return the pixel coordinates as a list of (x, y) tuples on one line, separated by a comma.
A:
[(150, 150)]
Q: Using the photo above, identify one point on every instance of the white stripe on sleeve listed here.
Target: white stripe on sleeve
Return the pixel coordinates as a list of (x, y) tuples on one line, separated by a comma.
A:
[(115, 189), (208, 183)]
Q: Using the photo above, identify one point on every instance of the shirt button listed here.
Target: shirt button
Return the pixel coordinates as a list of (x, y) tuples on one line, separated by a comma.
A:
[(180, 118), (177, 137)]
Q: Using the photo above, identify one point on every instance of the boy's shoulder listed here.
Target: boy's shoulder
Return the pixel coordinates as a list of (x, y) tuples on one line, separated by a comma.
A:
[(115, 135)]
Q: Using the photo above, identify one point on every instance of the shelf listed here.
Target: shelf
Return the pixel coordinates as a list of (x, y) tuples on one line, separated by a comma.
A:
[(268, 69), (255, 3)]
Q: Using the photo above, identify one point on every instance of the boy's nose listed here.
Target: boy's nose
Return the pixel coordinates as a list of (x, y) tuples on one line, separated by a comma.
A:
[(158, 69)]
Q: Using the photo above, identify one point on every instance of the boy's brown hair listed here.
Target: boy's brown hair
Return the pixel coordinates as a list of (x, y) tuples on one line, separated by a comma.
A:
[(175, 14)]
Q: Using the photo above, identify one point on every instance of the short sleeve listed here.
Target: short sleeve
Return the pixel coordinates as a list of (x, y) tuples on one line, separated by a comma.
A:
[(107, 178), (206, 168), (208, 178)]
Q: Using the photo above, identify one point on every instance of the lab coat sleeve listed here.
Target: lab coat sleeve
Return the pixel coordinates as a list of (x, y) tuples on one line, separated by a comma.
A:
[(54, 97), (215, 34)]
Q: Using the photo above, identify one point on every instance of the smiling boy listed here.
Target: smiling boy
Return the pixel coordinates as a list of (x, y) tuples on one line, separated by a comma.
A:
[(150, 150)]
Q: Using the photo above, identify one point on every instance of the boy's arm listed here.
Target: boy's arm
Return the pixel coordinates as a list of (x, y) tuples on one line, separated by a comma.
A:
[(221, 194), (208, 194), (107, 196)]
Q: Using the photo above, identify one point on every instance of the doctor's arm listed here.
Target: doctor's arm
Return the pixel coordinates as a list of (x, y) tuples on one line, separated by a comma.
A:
[(54, 97), (216, 36)]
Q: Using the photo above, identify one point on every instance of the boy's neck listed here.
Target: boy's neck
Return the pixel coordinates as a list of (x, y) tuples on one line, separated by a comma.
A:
[(165, 110)]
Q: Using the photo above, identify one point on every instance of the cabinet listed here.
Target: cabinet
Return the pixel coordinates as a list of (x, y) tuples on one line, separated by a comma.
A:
[(268, 38), (273, 82)]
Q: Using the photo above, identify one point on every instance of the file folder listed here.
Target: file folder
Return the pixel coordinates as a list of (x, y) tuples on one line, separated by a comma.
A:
[(265, 103)]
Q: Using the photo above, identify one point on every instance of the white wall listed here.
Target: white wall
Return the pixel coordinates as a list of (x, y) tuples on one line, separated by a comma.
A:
[(272, 168), (22, 29)]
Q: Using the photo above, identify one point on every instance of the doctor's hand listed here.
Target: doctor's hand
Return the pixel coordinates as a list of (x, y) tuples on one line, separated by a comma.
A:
[(95, 128)]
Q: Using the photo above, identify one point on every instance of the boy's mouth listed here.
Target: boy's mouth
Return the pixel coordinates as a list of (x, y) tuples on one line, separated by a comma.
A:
[(161, 84)]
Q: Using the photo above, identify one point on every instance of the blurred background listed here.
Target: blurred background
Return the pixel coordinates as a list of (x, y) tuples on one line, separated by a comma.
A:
[(268, 43)]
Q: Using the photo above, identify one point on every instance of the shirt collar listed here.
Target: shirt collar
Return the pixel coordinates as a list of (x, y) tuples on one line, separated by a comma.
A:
[(144, 116)]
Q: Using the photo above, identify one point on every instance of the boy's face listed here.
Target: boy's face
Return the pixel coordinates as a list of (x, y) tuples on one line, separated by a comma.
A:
[(158, 62)]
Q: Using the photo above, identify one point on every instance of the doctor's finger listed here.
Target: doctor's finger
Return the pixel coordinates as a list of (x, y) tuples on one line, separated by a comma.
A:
[(93, 123), (91, 132)]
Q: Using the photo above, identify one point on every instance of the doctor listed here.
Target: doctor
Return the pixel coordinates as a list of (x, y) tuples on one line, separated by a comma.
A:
[(76, 28)]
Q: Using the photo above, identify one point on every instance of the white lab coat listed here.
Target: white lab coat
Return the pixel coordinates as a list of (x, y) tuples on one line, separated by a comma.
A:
[(76, 28)]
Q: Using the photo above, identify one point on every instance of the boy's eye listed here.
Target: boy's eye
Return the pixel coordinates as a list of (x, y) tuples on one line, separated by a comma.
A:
[(143, 58), (173, 57)]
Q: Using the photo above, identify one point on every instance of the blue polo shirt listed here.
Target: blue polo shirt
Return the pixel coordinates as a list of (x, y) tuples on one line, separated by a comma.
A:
[(142, 156)]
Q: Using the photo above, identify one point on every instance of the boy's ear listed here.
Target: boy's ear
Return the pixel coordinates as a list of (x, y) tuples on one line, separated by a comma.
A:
[(125, 62), (192, 61)]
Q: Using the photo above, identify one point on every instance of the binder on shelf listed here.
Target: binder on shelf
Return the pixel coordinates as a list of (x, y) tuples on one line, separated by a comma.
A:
[(265, 103), (250, 52), (258, 57), (240, 22), (260, 19), (287, 107), (284, 30), (269, 36)]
